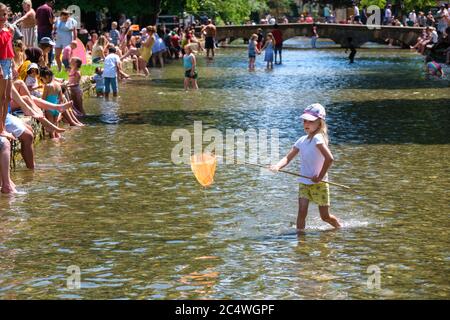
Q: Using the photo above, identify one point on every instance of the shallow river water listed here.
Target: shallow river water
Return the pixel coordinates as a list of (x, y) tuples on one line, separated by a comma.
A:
[(108, 199)]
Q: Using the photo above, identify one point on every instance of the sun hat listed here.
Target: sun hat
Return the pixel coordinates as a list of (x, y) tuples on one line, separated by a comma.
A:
[(314, 112), (47, 40), (33, 66)]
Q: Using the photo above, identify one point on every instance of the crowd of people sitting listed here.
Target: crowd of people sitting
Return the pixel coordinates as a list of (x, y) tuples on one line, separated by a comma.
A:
[(35, 43)]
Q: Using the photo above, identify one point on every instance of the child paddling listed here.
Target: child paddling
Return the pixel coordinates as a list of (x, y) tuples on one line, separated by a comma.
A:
[(315, 159)]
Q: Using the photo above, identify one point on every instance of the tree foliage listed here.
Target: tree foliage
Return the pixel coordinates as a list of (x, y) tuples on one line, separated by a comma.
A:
[(405, 4), (234, 11)]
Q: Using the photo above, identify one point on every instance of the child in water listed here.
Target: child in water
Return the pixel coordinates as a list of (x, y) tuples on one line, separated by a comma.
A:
[(252, 51), (268, 46), (432, 68), (315, 36), (316, 159), (99, 82), (74, 85), (190, 68), (352, 49), (52, 93)]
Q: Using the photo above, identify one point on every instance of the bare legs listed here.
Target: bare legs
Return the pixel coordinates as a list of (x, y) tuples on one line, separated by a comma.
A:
[(26, 147), (58, 57), (5, 97), (324, 215), (7, 186)]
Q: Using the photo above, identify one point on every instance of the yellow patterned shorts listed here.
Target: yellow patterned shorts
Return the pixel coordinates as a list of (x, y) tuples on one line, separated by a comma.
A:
[(318, 193)]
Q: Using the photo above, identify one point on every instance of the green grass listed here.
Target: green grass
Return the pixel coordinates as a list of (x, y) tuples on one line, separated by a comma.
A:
[(86, 70)]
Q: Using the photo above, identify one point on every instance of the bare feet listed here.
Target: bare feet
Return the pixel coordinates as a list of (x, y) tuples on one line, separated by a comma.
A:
[(9, 188), (50, 127)]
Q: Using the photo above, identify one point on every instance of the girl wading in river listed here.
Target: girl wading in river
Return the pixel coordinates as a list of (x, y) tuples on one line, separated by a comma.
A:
[(315, 159), (190, 68)]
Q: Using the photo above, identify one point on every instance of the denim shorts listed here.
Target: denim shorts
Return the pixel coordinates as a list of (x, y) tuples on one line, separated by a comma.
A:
[(7, 69), (110, 83)]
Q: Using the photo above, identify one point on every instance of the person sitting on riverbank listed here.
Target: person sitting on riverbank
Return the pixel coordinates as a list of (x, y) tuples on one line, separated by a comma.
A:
[(90, 44), (19, 52), (24, 133), (144, 52), (429, 38), (32, 80), (32, 106), (190, 68), (98, 50)]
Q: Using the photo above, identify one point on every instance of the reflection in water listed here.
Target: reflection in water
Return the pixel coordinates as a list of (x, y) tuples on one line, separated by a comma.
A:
[(108, 199)]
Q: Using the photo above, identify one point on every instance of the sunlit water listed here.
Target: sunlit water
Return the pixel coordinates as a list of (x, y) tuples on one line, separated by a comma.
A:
[(108, 199)]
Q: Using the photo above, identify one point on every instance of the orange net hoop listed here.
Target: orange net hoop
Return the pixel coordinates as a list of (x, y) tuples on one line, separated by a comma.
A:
[(204, 167)]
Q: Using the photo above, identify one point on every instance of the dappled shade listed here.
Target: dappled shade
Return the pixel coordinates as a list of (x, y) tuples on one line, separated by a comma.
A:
[(204, 166)]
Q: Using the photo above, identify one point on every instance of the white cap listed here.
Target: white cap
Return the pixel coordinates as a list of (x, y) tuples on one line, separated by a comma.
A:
[(314, 112), (33, 66)]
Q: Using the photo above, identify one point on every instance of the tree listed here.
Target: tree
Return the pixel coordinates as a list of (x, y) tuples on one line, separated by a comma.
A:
[(234, 11), (146, 10), (407, 5)]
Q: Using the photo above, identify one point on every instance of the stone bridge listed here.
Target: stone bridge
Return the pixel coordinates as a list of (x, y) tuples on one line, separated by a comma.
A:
[(339, 33)]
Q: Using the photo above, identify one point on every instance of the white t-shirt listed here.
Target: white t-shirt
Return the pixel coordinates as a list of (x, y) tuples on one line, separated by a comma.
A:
[(434, 36), (311, 159), (388, 13), (110, 68), (356, 11)]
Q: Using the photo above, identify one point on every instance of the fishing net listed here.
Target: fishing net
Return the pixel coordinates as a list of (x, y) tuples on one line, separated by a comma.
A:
[(204, 166)]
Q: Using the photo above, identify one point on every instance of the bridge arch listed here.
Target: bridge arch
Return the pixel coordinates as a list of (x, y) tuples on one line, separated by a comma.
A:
[(339, 33)]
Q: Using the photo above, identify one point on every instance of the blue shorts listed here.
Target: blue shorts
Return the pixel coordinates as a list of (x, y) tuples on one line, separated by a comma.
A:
[(6, 66), (14, 125), (110, 82)]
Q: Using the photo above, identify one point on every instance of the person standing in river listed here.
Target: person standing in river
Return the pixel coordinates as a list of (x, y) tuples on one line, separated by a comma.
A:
[(278, 39), (210, 34), (352, 49)]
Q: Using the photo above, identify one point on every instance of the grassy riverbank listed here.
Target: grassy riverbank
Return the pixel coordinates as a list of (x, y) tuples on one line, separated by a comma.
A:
[(86, 70)]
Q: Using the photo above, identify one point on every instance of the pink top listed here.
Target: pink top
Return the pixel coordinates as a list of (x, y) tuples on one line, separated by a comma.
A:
[(67, 53), (6, 48), (73, 74)]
